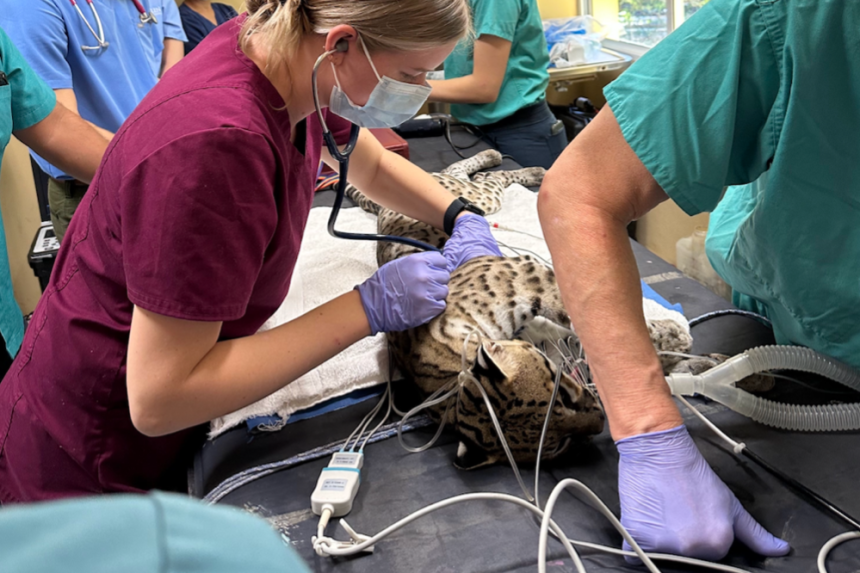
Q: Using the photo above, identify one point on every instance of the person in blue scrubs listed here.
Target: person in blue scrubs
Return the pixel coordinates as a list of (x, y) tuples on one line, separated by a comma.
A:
[(29, 110), (199, 17), (498, 82), (140, 534), (762, 97), (103, 85)]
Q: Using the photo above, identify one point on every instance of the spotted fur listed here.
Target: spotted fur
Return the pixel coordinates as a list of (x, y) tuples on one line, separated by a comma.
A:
[(486, 194), (502, 298), (496, 297)]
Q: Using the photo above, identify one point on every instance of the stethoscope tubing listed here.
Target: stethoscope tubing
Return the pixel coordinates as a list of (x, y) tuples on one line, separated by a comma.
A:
[(100, 36), (342, 157)]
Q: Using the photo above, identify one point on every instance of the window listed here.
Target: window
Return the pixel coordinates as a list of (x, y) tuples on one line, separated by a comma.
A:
[(692, 6), (643, 22)]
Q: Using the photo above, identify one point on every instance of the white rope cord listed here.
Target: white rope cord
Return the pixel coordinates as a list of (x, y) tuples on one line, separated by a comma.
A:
[(828, 547)]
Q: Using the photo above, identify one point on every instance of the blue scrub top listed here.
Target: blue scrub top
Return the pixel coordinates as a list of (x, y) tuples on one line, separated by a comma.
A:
[(197, 27), (763, 96), (25, 100), (109, 82)]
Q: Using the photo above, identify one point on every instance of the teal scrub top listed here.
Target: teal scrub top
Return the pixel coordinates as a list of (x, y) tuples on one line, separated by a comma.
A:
[(140, 534), (763, 95), (526, 76), (25, 100)]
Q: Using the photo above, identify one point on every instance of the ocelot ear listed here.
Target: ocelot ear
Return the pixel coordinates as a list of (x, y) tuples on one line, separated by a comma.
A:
[(487, 361), (470, 456)]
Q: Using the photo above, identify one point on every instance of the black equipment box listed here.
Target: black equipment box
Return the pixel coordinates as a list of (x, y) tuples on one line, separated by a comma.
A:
[(43, 252)]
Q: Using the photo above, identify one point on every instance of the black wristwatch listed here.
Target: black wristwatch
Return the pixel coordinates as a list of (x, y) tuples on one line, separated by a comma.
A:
[(458, 206)]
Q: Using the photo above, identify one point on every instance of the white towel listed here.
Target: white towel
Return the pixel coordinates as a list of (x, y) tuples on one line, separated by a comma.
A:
[(328, 267)]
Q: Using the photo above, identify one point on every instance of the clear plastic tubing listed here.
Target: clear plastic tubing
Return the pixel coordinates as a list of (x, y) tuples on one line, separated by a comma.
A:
[(718, 384)]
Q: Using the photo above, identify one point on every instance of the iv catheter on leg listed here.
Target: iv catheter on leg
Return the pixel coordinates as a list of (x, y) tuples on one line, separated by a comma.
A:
[(342, 157)]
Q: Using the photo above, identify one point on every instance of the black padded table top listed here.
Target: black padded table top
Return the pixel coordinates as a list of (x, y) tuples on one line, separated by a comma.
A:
[(490, 536)]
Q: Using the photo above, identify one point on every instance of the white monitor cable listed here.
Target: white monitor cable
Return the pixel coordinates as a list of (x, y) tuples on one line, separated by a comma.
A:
[(574, 363), (825, 550), (358, 543)]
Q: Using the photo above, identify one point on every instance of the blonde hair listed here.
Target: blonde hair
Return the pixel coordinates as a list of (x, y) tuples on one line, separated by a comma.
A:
[(395, 25)]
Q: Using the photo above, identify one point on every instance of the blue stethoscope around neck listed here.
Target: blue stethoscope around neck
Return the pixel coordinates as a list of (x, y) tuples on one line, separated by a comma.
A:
[(342, 157), (145, 18)]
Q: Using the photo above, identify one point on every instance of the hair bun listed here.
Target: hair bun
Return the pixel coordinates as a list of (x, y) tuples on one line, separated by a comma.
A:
[(255, 6)]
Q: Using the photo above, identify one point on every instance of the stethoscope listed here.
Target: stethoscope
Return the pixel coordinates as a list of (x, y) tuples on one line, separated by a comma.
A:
[(145, 18), (342, 157)]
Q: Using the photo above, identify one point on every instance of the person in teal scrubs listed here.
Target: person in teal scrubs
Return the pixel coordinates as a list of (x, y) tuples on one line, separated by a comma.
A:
[(140, 534), (29, 110), (498, 82), (758, 96)]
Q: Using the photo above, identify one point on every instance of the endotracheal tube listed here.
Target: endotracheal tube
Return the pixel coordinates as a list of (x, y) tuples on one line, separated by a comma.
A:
[(718, 385)]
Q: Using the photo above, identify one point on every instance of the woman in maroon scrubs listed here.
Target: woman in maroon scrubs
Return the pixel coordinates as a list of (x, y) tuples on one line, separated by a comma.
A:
[(186, 242)]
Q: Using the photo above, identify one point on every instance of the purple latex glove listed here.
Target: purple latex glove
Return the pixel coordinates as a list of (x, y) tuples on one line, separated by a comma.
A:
[(673, 502), (405, 293), (471, 238)]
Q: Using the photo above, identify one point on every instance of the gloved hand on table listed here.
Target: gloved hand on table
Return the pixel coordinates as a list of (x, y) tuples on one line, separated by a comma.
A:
[(405, 293), (471, 238), (673, 502)]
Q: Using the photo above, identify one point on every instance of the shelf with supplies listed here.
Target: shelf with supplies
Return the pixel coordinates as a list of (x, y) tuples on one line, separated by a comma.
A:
[(587, 79)]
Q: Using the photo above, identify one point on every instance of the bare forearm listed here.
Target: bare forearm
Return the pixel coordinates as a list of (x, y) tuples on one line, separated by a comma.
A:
[(108, 135), (467, 89), (585, 204), (406, 188), (490, 62), (174, 50), (394, 182), (238, 372), (599, 282), (67, 141), (67, 98)]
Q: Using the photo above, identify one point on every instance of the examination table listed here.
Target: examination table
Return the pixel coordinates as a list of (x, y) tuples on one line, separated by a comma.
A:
[(492, 536)]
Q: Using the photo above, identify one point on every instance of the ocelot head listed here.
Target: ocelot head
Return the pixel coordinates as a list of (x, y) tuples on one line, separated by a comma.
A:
[(518, 380)]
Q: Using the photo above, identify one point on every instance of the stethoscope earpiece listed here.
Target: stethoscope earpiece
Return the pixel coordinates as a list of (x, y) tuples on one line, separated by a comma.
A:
[(342, 45)]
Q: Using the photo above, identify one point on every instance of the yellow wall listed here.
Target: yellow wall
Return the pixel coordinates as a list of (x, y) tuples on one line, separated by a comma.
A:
[(237, 4), (21, 218), (659, 230), (605, 11), (557, 8)]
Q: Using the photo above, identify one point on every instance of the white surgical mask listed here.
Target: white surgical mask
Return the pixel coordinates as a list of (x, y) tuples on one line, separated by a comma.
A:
[(390, 103)]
